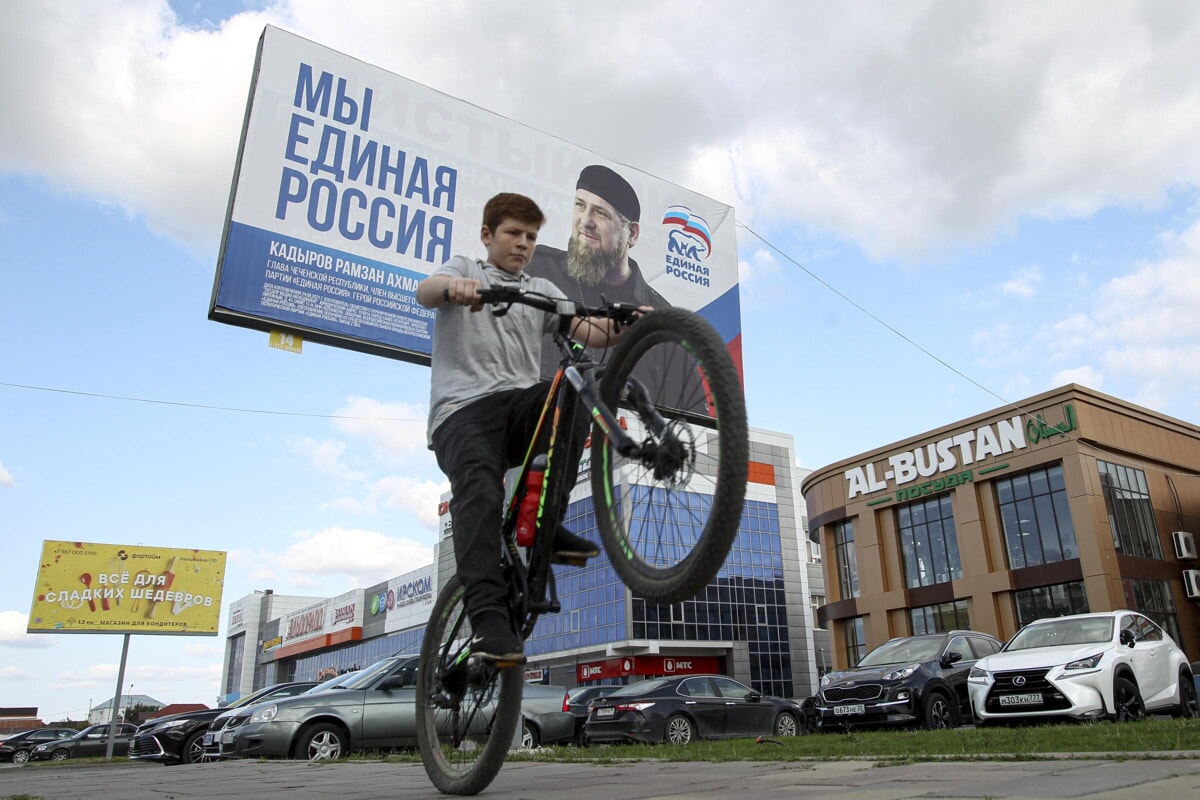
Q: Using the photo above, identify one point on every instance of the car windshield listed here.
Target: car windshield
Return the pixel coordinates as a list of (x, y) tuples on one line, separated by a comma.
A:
[(364, 678), (1055, 633), (902, 651), (336, 682)]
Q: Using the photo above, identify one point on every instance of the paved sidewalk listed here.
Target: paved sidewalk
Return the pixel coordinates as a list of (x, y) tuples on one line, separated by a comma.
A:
[(1169, 778)]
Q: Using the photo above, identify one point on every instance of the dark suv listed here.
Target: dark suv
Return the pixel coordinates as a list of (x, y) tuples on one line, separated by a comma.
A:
[(913, 680)]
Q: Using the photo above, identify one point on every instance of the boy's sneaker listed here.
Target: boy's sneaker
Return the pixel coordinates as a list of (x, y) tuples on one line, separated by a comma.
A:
[(571, 549), (495, 640)]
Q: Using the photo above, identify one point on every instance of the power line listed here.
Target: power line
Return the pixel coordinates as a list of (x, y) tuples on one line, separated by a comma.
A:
[(204, 406)]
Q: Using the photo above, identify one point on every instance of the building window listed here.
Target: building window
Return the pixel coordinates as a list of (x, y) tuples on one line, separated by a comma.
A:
[(1036, 517), (817, 601), (814, 552), (1130, 513), (856, 640), (940, 618), (233, 678), (1154, 599), (1058, 600), (929, 542), (847, 562)]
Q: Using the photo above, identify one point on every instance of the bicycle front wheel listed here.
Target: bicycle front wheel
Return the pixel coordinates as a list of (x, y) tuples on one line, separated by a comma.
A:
[(669, 515), (467, 709)]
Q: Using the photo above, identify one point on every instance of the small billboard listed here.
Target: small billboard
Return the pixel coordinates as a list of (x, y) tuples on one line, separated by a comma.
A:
[(84, 587), (352, 184)]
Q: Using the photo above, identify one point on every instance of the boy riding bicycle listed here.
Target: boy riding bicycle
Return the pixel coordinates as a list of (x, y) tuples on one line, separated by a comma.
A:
[(485, 400)]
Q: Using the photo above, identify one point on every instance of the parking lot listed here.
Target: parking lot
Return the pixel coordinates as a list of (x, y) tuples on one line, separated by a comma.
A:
[(1170, 778)]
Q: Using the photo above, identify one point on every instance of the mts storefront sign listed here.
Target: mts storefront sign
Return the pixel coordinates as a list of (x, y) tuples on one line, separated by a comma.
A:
[(645, 665)]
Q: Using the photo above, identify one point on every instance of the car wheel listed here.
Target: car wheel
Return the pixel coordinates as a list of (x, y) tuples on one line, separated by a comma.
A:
[(680, 730), (60, 755), (193, 748), (786, 724), (939, 713), (581, 740), (320, 742), (529, 736), (20, 757), (1189, 705), (1127, 701)]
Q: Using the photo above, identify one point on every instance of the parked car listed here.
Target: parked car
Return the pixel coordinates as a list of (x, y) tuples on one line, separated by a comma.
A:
[(179, 738), (545, 719), (91, 742), (578, 700), (680, 709), (910, 680), (212, 738), (1114, 664), (374, 710), (16, 748)]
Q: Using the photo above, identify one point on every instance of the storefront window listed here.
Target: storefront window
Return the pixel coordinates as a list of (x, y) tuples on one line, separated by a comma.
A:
[(940, 618), (929, 542), (1130, 513), (1036, 518), (237, 648), (1058, 600), (856, 640), (847, 562)]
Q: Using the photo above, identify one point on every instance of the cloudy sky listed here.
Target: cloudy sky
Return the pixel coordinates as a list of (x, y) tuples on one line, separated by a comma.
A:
[(943, 208)]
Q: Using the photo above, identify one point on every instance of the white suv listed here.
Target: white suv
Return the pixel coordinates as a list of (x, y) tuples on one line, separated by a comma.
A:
[(1114, 664)]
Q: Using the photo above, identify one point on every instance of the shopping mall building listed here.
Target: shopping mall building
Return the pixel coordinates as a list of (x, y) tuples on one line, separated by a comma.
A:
[(1065, 502), (754, 622)]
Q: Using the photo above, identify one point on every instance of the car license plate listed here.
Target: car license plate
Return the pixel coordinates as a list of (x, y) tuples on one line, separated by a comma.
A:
[(208, 739), (1032, 699), (845, 711), (607, 711), (227, 737)]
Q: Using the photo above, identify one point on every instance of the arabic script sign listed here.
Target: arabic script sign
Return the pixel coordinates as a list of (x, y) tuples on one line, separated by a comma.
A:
[(954, 459)]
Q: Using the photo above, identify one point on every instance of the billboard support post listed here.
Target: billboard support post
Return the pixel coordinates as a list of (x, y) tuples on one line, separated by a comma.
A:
[(112, 723)]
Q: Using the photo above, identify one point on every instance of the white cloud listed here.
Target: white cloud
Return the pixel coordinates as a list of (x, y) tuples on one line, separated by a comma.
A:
[(13, 625), (1024, 283), (903, 127), (395, 430), (6, 477), (334, 560), (325, 456), (1085, 376)]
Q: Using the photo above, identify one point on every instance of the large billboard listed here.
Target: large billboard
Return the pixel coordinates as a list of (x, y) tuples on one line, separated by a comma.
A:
[(83, 587), (352, 184)]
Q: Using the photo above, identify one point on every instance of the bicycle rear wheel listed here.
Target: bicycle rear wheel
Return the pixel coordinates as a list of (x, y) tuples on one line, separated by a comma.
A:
[(668, 516), (467, 710)]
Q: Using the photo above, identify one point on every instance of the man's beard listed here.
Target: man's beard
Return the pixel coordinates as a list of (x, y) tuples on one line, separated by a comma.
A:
[(588, 265)]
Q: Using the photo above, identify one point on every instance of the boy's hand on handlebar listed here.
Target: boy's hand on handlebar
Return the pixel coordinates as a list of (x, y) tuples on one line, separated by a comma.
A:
[(463, 292)]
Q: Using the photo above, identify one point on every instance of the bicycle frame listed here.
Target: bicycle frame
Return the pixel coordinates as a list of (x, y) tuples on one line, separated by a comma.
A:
[(572, 389)]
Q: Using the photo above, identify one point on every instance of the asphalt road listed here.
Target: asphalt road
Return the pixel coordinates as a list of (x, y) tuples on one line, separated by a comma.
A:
[(1173, 777)]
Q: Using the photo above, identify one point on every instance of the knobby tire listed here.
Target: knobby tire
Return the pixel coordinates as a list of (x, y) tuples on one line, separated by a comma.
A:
[(663, 535), (467, 711)]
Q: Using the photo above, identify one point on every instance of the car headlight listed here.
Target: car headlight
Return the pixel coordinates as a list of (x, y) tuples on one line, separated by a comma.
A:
[(825, 680), (901, 673), (977, 675), (1084, 663), (175, 723), (264, 714)]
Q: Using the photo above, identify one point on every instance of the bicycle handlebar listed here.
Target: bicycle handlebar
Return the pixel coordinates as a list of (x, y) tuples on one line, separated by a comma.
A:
[(622, 313)]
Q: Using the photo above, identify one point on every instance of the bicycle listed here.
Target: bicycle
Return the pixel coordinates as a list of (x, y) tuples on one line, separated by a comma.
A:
[(668, 495)]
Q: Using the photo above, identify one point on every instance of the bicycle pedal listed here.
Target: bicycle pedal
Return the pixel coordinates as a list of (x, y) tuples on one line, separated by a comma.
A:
[(568, 561)]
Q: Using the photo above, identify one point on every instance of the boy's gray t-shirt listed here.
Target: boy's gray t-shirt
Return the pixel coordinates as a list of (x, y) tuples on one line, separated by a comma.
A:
[(476, 353)]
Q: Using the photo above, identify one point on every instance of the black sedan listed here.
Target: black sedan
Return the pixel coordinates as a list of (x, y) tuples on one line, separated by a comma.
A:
[(16, 748), (907, 681), (91, 742), (680, 709), (578, 700), (179, 738)]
